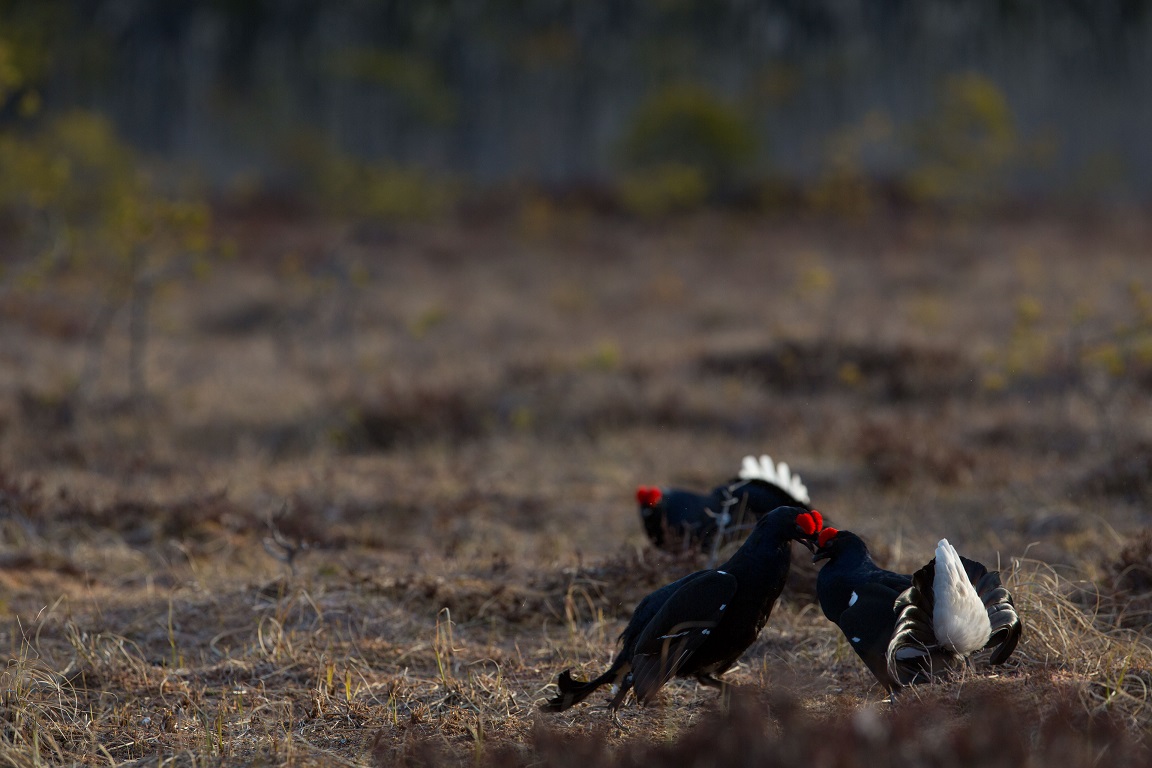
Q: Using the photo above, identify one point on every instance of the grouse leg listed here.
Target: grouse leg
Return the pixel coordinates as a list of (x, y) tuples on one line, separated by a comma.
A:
[(707, 679), (618, 701)]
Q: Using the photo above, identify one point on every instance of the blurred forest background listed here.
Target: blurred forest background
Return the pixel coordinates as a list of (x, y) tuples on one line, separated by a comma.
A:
[(393, 108), (125, 125)]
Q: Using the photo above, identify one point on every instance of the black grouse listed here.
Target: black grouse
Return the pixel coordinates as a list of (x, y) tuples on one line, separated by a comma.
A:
[(909, 628), (700, 625), (859, 596), (954, 608), (676, 519)]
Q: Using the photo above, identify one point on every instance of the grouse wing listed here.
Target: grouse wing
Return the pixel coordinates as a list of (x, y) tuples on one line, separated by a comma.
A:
[(868, 624), (683, 623)]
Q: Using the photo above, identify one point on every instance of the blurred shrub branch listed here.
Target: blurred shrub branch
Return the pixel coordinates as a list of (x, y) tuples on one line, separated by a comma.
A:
[(77, 202)]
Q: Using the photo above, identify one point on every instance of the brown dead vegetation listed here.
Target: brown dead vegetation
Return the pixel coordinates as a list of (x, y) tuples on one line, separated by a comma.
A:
[(367, 522)]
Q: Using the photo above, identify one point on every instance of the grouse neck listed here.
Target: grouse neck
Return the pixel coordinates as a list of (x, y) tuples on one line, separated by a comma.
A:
[(770, 540), (853, 557)]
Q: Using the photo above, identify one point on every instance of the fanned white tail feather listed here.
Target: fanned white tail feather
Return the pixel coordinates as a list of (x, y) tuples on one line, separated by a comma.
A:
[(960, 619), (778, 475), (750, 468)]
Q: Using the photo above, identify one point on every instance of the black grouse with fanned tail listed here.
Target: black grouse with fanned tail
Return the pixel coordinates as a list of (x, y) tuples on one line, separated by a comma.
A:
[(955, 607), (700, 625), (676, 519), (892, 620)]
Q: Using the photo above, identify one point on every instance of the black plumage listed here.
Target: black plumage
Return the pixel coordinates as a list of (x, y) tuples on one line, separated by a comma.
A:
[(887, 617), (859, 596), (677, 519), (700, 625)]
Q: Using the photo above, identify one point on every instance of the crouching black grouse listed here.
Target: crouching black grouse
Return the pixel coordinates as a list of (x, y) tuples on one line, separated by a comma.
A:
[(677, 519), (910, 628), (700, 625)]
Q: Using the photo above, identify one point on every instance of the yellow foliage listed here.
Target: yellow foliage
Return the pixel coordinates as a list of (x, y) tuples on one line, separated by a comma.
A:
[(537, 216), (685, 126), (849, 374), (1029, 348), (1082, 312), (606, 357), (1142, 349), (1107, 356), (10, 77), (663, 189), (816, 281), (522, 418), (928, 311), (29, 105), (428, 319), (348, 186), (994, 381), (844, 186), (966, 145), (1142, 298), (1028, 310), (408, 76), (81, 190)]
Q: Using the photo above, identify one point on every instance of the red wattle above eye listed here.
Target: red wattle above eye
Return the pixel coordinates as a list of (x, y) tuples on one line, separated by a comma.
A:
[(818, 518), (827, 535), (648, 496)]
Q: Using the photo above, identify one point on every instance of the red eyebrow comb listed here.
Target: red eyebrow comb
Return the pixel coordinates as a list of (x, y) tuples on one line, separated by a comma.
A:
[(807, 523), (826, 536), (648, 496)]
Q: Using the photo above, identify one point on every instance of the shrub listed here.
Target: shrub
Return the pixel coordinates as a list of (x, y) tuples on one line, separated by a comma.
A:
[(344, 185), (967, 146), (685, 142)]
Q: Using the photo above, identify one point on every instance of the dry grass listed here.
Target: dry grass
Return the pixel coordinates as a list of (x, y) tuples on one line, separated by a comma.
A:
[(366, 522)]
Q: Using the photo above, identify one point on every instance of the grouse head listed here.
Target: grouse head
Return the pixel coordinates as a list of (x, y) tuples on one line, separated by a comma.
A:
[(832, 544), (808, 528), (783, 525), (648, 497)]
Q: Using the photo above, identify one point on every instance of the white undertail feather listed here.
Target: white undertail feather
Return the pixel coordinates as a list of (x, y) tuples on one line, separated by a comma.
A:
[(959, 619), (777, 474)]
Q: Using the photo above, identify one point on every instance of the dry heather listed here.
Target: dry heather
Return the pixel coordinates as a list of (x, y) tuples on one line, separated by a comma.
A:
[(379, 491)]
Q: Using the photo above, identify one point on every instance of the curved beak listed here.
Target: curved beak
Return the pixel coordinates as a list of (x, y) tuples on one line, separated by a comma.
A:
[(820, 554)]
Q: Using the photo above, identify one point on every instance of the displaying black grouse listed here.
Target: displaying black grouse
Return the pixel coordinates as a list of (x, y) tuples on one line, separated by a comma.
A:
[(909, 629), (954, 608), (700, 625), (677, 519)]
